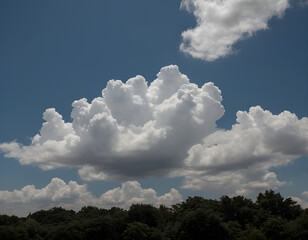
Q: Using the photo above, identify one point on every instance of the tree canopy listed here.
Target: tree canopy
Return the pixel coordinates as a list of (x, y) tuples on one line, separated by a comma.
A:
[(270, 217)]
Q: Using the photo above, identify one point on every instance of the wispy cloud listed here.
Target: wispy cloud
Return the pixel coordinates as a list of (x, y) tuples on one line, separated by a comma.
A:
[(222, 23)]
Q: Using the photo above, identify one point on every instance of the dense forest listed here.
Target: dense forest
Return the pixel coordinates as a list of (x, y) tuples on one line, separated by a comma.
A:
[(270, 217)]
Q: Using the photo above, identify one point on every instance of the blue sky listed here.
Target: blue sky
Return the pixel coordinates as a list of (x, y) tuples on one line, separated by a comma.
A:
[(55, 52)]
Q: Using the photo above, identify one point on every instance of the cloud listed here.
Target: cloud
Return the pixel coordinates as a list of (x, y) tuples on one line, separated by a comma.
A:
[(132, 131), (56, 193), (74, 196), (302, 201), (305, 194), (222, 23), (239, 160), (131, 192), (167, 129)]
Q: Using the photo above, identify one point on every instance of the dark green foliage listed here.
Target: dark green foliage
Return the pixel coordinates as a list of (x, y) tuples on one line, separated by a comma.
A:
[(8, 220), (298, 228), (271, 217), (200, 224), (238, 209), (251, 233), (274, 228), (54, 215), (146, 214), (274, 204), (141, 231)]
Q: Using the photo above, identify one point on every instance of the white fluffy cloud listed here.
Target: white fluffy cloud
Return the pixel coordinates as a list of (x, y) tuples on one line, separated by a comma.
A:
[(74, 196), (222, 23), (257, 134), (167, 129), (131, 192), (239, 160), (133, 130)]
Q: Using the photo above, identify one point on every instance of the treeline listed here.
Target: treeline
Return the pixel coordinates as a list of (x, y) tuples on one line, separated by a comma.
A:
[(270, 217)]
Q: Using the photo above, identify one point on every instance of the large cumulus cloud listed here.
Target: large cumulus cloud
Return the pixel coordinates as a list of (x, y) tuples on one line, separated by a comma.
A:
[(222, 23), (74, 196), (133, 130), (168, 128)]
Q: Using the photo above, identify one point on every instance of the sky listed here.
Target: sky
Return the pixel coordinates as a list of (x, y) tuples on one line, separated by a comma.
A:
[(110, 103)]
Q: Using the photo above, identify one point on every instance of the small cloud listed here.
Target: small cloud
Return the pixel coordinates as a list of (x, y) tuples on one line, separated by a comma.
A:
[(305, 195), (89, 173), (221, 24), (302, 202)]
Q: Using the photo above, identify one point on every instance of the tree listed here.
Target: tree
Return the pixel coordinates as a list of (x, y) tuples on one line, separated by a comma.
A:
[(201, 224), (252, 233), (140, 231), (274, 204), (274, 228), (53, 216), (298, 228), (238, 209), (146, 214)]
